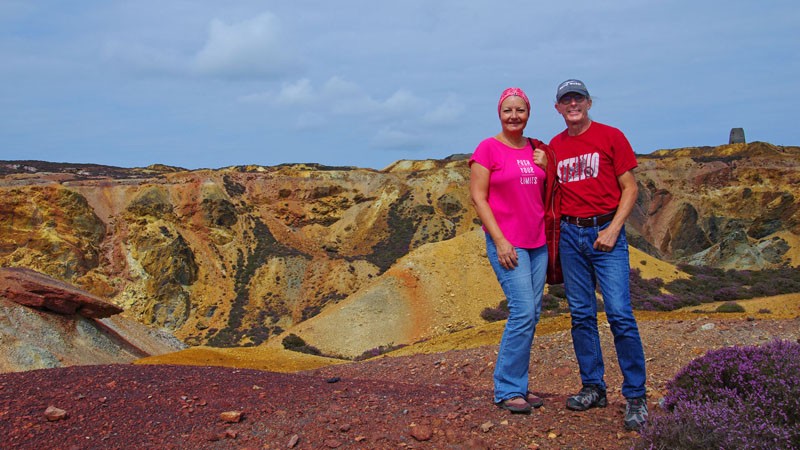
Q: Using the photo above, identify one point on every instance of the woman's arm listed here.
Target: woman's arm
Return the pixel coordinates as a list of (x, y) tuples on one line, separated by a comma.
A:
[(479, 192)]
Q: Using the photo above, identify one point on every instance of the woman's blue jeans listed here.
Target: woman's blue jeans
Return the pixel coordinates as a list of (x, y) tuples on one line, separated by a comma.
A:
[(523, 287), (584, 268)]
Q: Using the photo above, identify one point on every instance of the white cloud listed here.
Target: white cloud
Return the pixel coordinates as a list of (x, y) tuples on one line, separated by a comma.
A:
[(340, 97), (393, 139), (448, 112), (250, 48), (338, 87), (402, 102), (392, 123), (257, 97), (348, 98), (343, 97), (298, 93), (425, 81)]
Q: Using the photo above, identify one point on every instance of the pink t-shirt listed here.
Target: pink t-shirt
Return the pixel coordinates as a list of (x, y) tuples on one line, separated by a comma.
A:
[(516, 191)]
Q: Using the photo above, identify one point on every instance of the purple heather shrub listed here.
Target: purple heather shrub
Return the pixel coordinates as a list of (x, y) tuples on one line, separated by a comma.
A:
[(496, 314), (728, 293), (708, 284), (662, 302), (718, 425), (550, 302), (706, 279), (765, 289), (736, 397)]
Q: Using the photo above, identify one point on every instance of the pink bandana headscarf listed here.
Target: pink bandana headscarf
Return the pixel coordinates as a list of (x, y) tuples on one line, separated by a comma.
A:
[(513, 91)]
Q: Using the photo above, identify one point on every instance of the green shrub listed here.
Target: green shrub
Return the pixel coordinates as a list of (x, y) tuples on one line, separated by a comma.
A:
[(295, 343), (730, 307)]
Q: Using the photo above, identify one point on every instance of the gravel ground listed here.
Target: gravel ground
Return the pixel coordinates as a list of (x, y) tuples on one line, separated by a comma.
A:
[(434, 401)]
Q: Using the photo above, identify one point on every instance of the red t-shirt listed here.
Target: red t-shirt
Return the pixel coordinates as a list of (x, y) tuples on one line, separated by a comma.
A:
[(588, 166)]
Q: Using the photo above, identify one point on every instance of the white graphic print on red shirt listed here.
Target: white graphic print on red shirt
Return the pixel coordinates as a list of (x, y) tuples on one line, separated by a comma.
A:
[(579, 168)]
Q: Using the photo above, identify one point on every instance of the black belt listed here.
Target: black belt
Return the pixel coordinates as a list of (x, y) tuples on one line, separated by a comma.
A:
[(595, 221)]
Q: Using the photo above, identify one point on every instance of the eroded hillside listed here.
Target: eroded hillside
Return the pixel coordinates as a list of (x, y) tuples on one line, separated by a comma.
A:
[(733, 206), (232, 256), (235, 256)]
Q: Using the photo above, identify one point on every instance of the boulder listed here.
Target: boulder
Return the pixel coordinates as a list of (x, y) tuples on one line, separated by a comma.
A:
[(33, 289)]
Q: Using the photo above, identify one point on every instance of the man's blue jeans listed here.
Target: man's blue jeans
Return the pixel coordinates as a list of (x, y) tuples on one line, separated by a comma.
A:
[(584, 267), (523, 287)]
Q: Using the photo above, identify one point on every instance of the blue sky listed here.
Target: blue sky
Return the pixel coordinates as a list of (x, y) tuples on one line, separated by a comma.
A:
[(210, 84)]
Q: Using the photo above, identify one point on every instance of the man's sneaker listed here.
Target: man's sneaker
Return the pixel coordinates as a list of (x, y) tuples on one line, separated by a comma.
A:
[(588, 397), (636, 413)]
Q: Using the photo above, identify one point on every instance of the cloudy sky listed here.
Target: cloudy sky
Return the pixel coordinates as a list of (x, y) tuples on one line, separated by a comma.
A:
[(209, 84)]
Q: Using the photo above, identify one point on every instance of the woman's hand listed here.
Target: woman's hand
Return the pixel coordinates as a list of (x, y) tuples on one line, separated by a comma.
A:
[(540, 158), (506, 254)]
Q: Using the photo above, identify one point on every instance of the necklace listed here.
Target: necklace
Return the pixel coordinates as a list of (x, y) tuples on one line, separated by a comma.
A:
[(521, 142)]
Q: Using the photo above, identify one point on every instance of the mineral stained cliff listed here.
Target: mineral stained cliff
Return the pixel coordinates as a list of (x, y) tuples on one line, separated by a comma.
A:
[(235, 256)]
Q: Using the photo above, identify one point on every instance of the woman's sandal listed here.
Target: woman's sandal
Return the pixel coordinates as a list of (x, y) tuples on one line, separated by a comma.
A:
[(516, 405), (534, 400)]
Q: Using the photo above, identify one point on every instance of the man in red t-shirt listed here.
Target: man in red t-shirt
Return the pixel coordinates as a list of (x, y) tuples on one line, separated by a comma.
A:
[(598, 190)]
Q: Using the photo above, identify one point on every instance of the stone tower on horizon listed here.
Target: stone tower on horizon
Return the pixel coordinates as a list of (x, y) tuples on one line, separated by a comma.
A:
[(737, 136)]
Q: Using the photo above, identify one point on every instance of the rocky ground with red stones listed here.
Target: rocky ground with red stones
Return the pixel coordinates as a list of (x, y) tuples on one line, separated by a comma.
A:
[(434, 401)]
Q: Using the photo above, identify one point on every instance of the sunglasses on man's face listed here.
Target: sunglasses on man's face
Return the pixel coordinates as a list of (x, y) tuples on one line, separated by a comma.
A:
[(568, 98)]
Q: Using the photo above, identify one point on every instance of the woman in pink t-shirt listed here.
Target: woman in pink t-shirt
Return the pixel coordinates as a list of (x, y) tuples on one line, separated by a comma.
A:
[(507, 188)]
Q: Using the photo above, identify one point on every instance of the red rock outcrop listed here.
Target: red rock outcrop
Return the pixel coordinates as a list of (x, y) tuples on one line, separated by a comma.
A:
[(30, 288), (46, 323)]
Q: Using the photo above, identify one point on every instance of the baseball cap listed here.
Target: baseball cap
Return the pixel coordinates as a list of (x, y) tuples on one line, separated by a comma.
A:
[(571, 85)]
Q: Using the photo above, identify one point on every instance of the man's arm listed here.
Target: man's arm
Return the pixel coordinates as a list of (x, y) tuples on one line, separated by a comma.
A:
[(607, 238)]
